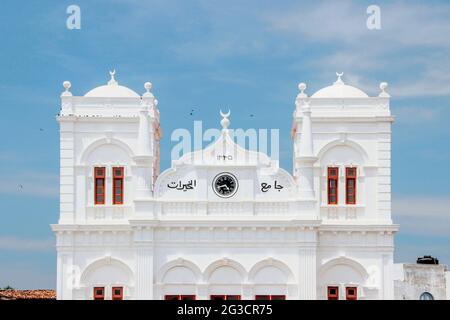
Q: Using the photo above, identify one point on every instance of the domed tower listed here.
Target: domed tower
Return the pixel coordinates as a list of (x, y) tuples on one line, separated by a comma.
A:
[(342, 140), (109, 152), (342, 159)]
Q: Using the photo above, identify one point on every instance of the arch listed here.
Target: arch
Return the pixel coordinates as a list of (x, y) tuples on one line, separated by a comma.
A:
[(105, 262), (426, 296), (270, 262), (225, 262), (104, 141), (346, 262), (163, 271), (343, 142)]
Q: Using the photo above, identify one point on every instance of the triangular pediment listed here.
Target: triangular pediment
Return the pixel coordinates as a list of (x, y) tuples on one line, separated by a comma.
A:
[(224, 151)]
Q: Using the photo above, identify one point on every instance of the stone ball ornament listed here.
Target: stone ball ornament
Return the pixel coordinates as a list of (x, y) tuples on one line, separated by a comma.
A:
[(67, 85)]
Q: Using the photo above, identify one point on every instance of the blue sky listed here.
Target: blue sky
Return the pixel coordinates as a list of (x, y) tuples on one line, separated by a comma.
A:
[(203, 55)]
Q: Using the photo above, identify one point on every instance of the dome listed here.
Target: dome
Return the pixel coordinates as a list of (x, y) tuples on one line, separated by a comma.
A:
[(112, 90), (340, 90)]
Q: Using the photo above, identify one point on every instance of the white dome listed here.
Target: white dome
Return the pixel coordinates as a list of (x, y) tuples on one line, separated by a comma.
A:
[(340, 90), (112, 90)]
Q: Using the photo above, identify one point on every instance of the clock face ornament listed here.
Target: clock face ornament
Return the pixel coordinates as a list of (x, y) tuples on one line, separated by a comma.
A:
[(225, 185)]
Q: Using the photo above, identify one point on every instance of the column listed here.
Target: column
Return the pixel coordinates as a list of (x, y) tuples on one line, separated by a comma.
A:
[(143, 242), (307, 273), (305, 157)]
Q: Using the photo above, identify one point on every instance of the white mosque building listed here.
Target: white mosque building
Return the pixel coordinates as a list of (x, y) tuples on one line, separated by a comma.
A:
[(224, 222)]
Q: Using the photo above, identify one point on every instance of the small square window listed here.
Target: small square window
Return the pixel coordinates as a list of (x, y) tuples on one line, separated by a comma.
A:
[(351, 293), (99, 293), (333, 293)]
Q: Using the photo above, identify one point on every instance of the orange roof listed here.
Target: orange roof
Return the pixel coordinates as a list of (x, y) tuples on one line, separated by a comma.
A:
[(27, 294)]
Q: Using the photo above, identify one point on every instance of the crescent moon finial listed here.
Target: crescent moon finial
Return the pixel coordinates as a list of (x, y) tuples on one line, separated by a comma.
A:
[(113, 80), (225, 115), (225, 122), (339, 80)]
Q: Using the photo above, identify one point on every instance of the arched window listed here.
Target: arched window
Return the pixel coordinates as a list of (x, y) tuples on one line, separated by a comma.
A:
[(426, 296)]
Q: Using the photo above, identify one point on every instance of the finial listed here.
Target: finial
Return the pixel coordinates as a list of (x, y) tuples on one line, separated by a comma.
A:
[(148, 86), (113, 80), (383, 87), (339, 80), (225, 122), (67, 85), (302, 87)]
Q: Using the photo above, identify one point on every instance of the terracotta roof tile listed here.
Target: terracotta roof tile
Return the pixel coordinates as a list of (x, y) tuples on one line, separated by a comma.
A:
[(27, 294)]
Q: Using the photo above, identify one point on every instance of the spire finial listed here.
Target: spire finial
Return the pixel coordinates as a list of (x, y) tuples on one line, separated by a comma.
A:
[(67, 85), (225, 122), (339, 80), (383, 87), (148, 86), (302, 87), (113, 80)]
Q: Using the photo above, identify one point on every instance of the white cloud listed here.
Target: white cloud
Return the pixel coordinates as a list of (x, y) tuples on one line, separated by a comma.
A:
[(9, 243), (413, 42)]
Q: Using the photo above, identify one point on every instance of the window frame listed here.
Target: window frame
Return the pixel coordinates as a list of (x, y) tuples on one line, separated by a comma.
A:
[(174, 297), (99, 296), (122, 187), (351, 296), (349, 178), (225, 297), (329, 179), (333, 296), (103, 178), (115, 296), (270, 297)]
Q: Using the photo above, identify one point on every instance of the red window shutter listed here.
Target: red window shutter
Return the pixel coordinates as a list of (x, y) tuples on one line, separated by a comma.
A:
[(270, 297), (187, 297), (333, 180), (117, 293), (99, 293), (99, 185), (351, 293), (333, 293), (171, 297), (350, 185), (118, 186)]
